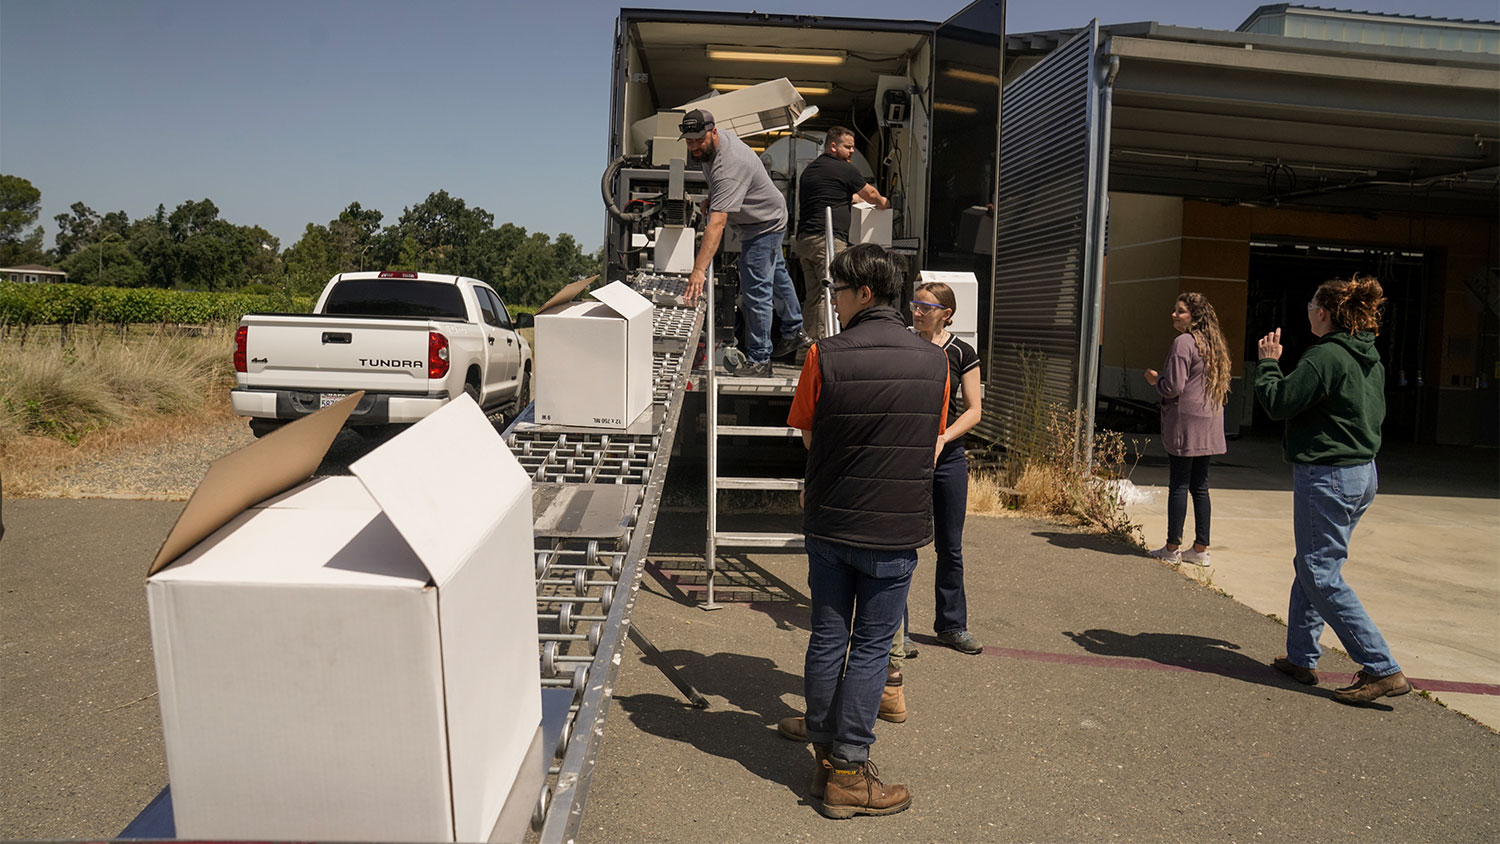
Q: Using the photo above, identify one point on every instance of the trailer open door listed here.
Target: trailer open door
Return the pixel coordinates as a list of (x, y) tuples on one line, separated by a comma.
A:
[(1049, 249), (968, 53)]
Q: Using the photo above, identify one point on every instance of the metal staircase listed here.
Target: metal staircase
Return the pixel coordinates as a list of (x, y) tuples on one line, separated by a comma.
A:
[(782, 383)]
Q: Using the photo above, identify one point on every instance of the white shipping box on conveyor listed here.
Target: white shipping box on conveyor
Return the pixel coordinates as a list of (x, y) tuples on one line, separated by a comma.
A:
[(351, 658), (593, 358)]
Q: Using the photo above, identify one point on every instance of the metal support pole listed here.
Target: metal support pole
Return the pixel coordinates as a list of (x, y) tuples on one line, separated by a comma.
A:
[(667, 669), (830, 318), (710, 553)]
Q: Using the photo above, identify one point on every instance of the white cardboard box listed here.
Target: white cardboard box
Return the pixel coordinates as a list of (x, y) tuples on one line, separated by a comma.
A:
[(675, 250), (594, 358), (868, 224), (353, 658)]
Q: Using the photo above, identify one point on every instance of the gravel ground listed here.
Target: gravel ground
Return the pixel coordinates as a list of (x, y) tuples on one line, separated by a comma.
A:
[(170, 469)]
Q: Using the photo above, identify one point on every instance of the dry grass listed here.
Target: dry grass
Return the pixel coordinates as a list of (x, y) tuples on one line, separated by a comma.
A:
[(99, 391)]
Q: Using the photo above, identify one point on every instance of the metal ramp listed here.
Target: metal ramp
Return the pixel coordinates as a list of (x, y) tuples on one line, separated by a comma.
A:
[(594, 497)]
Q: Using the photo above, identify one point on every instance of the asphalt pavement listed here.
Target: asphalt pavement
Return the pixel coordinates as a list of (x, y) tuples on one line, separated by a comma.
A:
[(1115, 700)]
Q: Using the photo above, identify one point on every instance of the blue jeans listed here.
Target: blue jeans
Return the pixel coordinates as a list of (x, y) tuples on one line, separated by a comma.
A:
[(1327, 502), (950, 500), (858, 596), (764, 283)]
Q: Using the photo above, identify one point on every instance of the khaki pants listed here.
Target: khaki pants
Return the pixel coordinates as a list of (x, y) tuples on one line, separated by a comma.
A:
[(809, 252)]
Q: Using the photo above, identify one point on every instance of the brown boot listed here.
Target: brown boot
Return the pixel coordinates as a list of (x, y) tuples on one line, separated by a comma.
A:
[(820, 771), (855, 789), (793, 728), (892, 705), (1367, 687)]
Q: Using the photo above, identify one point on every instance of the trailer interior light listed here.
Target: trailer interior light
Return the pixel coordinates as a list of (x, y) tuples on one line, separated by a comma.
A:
[(811, 89), (972, 76), (954, 108), (437, 355), (756, 54)]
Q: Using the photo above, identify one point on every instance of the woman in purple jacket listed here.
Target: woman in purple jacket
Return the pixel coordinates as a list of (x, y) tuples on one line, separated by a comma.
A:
[(1193, 384)]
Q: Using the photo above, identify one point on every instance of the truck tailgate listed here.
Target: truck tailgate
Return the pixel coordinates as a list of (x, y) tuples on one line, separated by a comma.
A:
[(337, 353)]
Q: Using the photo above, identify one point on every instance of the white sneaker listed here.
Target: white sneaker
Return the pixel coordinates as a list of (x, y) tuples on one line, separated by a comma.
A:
[(1166, 555), (1197, 558)]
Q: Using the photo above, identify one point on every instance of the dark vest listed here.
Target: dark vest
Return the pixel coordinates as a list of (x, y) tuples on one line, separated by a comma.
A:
[(874, 435)]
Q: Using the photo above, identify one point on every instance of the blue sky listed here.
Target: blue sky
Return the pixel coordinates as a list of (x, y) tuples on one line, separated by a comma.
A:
[(283, 113)]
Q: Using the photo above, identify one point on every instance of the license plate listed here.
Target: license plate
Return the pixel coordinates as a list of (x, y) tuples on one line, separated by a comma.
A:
[(326, 399)]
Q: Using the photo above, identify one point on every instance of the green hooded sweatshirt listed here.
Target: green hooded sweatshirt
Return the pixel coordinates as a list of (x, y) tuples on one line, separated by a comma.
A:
[(1333, 401)]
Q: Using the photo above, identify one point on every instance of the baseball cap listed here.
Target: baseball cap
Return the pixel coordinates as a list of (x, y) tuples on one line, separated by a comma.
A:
[(695, 124)]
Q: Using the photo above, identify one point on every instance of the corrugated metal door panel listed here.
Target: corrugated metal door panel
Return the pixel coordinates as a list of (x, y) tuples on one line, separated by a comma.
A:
[(1046, 276)]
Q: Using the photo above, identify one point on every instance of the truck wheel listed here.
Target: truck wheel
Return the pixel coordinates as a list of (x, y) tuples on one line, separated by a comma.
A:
[(473, 391), (261, 427), (523, 396)]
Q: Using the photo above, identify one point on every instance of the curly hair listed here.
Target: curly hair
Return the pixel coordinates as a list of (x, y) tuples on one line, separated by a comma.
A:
[(1353, 305), (1210, 342)]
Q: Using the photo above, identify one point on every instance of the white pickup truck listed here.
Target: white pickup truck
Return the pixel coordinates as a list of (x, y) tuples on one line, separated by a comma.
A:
[(411, 341)]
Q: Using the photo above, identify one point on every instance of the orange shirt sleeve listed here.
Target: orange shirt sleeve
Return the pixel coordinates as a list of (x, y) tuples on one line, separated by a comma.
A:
[(809, 385), (947, 396)]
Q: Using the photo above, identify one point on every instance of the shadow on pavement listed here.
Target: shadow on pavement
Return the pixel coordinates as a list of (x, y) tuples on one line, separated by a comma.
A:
[(1201, 654), (753, 688), (1093, 542)]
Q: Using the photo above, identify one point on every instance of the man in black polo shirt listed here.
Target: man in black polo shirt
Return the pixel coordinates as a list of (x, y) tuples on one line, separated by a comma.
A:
[(871, 404), (828, 181)]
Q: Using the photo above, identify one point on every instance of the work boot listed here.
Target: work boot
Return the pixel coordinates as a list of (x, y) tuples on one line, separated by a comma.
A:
[(1367, 687), (820, 770), (1301, 673), (892, 698), (793, 729), (752, 369), (854, 788)]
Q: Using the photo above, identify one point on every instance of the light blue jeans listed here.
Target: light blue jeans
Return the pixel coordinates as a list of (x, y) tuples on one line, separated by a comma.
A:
[(764, 284), (1327, 502)]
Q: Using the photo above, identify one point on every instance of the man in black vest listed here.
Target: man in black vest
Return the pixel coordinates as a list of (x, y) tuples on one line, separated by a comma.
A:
[(871, 403)]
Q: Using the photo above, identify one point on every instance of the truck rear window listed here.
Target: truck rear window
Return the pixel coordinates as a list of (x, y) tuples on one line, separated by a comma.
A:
[(396, 297)]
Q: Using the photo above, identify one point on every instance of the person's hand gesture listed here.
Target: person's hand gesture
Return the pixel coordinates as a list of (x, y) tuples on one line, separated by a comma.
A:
[(1270, 345), (1151, 376)]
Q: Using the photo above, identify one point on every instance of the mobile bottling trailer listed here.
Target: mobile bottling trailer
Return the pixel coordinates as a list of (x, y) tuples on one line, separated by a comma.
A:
[(922, 98)]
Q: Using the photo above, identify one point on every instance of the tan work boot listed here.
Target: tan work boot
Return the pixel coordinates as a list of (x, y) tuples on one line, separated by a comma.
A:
[(820, 771), (855, 789), (1367, 687), (892, 705)]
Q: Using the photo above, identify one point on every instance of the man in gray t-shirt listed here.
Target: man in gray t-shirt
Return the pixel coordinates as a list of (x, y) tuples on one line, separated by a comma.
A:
[(741, 193)]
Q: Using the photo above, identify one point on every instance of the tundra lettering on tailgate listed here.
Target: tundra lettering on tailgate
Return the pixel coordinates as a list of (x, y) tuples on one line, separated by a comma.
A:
[(380, 363)]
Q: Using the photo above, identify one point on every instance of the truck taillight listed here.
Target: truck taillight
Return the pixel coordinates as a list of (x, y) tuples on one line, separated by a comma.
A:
[(437, 355), (240, 334)]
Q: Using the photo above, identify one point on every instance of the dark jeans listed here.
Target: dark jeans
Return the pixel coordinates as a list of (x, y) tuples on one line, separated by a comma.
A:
[(1189, 475), (950, 499), (858, 596)]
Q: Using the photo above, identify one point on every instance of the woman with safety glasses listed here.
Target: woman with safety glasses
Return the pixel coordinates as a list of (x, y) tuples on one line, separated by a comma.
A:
[(932, 307)]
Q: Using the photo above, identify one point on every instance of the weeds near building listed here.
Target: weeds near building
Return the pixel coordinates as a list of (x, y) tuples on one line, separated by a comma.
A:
[(1052, 471)]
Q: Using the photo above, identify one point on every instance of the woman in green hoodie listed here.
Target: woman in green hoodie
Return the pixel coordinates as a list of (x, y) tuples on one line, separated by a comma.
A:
[(1333, 402)]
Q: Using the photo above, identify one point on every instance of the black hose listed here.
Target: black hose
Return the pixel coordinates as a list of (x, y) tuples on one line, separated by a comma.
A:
[(609, 200)]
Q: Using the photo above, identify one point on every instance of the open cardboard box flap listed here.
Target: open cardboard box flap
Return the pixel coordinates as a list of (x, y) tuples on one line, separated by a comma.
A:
[(442, 481), (244, 478), (567, 294)]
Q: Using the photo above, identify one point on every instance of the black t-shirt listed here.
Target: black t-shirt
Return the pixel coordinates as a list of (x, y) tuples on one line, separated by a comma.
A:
[(827, 181), (961, 359)]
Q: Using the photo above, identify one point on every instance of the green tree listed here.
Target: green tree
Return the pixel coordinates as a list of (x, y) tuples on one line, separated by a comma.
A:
[(20, 205), (108, 262)]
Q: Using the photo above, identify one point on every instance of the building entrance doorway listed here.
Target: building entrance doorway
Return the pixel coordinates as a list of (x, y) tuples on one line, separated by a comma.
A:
[(1283, 276)]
